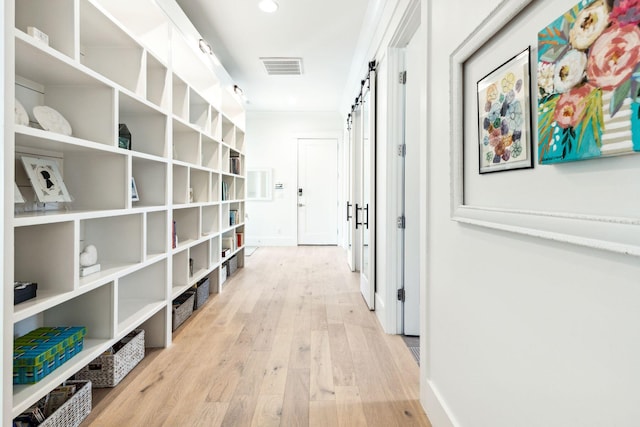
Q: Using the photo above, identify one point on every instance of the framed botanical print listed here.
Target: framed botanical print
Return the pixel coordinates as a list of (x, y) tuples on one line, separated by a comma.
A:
[(504, 117), (46, 180)]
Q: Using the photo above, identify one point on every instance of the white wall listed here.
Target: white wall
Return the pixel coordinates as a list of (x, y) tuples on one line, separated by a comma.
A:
[(5, 356), (271, 141), (520, 331)]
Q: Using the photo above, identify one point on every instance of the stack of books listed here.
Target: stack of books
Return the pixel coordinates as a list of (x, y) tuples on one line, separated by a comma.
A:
[(233, 217), (234, 165), (225, 191)]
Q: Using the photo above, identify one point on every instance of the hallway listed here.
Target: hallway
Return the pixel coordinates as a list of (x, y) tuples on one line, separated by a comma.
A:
[(289, 342)]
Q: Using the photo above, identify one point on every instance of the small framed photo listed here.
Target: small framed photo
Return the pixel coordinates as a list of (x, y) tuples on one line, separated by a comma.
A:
[(134, 191), (504, 117), (17, 195), (46, 180), (124, 136)]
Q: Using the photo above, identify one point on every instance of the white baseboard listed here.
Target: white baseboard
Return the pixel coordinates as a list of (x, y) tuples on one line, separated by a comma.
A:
[(383, 318), (437, 411), (270, 241)]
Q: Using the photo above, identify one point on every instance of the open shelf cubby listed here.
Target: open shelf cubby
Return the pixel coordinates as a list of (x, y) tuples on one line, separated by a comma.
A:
[(210, 220), (228, 132), (215, 129), (39, 13), (157, 239), (215, 187), (199, 255), (180, 98), (157, 82), (180, 273), (186, 225), (239, 188), (228, 191), (110, 51), (140, 293), (186, 143), (210, 153), (147, 125), (83, 173), (239, 140), (224, 216), (151, 179), (200, 182), (35, 260), (198, 111), (215, 250), (224, 159), (118, 240), (180, 185), (96, 181), (236, 210)]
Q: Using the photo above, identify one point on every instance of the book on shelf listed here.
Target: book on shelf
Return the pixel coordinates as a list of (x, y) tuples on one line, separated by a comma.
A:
[(174, 237), (226, 252), (233, 217), (228, 243), (225, 190), (234, 165), (240, 239)]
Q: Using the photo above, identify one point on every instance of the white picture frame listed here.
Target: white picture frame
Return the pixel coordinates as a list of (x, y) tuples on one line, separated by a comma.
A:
[(46, 179), (135, 197), (17, 195), (609, 233)]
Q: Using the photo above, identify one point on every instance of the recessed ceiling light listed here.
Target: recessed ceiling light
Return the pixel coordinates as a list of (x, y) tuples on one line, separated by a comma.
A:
[(268, 6), (205, 47)]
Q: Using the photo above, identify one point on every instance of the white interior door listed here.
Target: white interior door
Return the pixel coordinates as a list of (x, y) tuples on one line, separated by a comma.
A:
[(350, 207), (317, 191), (366, 210), (412, 191)]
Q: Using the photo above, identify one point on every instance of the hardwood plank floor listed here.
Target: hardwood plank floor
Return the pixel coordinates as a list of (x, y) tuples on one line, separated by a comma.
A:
[(290, 342)]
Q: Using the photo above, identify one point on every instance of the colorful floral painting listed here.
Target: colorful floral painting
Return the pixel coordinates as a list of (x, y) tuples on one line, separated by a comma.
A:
[(504, 117), (589, 82)]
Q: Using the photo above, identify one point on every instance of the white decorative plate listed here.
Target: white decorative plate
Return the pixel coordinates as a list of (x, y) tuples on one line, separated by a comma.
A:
[(51, 120), (21, 118)]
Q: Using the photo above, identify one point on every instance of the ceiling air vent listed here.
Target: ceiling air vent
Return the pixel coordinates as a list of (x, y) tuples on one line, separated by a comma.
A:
[(282, 66)]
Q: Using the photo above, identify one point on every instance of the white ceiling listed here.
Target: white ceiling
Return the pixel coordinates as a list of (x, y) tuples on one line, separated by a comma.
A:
[(324, 33)]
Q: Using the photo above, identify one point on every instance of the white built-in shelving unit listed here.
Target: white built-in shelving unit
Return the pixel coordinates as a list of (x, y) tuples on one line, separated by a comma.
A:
[(110, 62)]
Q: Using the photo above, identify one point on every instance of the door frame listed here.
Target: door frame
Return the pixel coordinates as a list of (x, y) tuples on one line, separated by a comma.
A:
[(337, 135), (407, 29), (348, 169)]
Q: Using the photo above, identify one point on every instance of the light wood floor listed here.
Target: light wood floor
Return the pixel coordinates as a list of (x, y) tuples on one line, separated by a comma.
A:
[(289, 342)]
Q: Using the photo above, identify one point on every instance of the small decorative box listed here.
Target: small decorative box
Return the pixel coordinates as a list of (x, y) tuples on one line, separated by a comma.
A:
[(23, 291), (41, 351)]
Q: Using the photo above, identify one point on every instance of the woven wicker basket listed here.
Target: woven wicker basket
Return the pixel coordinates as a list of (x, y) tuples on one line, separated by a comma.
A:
[(202, 293), (233, 265), (182, 308), (108, 370), (74, 410)]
